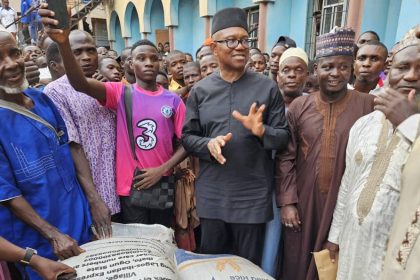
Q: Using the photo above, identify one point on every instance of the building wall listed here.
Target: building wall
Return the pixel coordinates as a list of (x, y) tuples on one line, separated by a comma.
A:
[(188, 35), (409, 16), (389, 18)]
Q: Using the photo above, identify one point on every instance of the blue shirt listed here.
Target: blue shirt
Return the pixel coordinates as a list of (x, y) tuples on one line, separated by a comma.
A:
[(36, 164)]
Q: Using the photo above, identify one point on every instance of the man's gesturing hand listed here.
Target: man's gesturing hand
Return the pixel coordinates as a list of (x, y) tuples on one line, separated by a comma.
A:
[(215, 146), (396, 106), (254, 120)]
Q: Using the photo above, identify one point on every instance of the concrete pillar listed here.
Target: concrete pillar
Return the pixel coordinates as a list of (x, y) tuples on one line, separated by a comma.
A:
[(262, 26), (207, 26), (171, 37), (355, 14)]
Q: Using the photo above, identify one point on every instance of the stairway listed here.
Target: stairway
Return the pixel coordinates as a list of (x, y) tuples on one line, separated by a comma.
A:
[(83, 8)]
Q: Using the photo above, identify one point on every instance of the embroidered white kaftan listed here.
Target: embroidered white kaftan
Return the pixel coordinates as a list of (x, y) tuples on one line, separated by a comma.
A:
[(368, 196)]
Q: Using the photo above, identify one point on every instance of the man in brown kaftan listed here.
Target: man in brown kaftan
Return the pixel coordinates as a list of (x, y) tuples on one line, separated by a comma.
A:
[(310, 171)]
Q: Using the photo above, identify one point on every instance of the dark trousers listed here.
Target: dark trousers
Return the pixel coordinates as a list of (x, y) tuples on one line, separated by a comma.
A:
[(138, 215), (244, 240)]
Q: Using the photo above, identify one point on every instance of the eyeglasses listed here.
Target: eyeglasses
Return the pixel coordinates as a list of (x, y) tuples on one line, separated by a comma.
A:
[(233, 43)]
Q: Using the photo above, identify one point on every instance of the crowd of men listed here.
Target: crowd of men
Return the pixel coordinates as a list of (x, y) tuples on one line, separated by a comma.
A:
[(290, 156)]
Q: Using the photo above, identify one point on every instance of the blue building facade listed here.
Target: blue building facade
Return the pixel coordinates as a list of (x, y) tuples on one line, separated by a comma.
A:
[(186, 23)]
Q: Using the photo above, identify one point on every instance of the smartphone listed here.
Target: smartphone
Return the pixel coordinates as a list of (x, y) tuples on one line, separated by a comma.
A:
[(59, 7)]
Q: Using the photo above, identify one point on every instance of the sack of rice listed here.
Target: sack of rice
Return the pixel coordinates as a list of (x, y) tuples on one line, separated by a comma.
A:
[(149, 256), (217, 267)]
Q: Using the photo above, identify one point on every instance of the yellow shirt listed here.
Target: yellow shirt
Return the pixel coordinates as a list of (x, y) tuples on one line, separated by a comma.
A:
[(174, 85)]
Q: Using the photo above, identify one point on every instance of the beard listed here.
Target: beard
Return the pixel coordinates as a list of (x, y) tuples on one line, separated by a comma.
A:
[(16, 89), (417, 99)]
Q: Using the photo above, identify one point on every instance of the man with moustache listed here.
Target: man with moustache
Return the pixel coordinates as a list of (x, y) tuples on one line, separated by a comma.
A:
[(368, 66), (371, 184), (292, 75), (403, 249), (309, 172), (91, 129), (43, 206), (291, 78), (235, 118)]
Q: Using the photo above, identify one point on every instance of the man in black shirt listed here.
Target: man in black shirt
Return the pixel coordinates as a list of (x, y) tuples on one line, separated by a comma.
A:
[(235, 118)]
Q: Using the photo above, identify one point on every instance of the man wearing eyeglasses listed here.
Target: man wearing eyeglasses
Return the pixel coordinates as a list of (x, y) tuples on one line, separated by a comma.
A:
[(235, 118)]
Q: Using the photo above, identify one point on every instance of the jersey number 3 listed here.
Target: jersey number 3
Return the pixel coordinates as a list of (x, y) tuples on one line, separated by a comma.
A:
[(147, 140)]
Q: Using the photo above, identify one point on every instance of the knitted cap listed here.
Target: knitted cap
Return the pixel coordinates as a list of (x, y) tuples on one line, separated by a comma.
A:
[(340, 41)]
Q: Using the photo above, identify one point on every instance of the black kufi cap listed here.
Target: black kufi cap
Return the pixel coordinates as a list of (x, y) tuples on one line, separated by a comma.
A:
[(230, 17), (285, 41)]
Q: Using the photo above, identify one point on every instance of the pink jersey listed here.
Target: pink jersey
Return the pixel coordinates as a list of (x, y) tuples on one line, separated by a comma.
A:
[(157, 117)]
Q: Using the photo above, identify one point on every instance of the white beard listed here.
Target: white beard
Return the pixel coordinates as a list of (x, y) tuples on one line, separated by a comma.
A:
[(15, 90)]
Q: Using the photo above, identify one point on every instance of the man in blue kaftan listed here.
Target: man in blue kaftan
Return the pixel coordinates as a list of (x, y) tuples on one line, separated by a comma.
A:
[(42, 204)]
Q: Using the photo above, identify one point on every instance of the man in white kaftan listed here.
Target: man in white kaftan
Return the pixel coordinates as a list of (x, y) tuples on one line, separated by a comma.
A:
[(370, 187)]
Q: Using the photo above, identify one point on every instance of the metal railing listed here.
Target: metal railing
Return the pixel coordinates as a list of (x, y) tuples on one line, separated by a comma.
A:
[(82, 8)]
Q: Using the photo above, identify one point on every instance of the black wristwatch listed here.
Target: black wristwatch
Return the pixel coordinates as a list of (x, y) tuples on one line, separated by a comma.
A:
[(28, 256)]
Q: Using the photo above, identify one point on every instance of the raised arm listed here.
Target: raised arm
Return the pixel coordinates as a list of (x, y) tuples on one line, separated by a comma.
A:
[(74, 73)]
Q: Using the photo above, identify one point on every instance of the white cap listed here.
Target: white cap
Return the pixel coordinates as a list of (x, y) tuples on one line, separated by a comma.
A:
[(294, 52)]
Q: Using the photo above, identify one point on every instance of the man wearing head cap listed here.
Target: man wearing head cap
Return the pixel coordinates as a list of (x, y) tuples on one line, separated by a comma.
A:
[(309, 172), (291, 80), (370, 188), (282, 44), (43, 206), (403, 250), (235, 118), (292, 75)]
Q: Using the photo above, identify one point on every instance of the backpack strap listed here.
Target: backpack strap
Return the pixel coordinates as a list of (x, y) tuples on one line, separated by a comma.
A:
[(128, 103), (29, 114)]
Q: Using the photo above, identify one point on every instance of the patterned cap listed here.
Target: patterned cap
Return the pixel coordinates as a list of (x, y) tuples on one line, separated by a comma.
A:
[(340, 41), (411, 38), (407, 42)]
